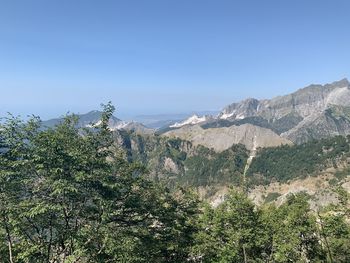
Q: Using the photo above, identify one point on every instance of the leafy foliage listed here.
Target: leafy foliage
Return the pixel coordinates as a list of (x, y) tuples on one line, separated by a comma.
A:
[(237, 231), (234, 232), (68, 195), (287, 162), (293, 232)]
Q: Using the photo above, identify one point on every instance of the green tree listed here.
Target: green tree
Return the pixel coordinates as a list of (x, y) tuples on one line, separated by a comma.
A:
[(68, 194), (233, 232), (335, 233), (293, 231), (335, 228)]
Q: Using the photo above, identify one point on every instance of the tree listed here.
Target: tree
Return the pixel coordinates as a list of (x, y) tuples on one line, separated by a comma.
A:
[(335, 232), (68, 194), (233, 232), (294, 232), (335, 229)]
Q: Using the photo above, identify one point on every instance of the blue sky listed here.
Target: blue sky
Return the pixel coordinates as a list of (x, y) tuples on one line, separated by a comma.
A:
[(165, 56)]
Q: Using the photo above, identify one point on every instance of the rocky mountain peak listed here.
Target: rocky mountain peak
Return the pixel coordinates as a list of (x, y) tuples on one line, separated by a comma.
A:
[(304, 102), (342, 83), (241, 110), (194, 119)]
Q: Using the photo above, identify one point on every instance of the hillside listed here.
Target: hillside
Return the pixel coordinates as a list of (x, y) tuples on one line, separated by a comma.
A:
[(220, 139), (179, 162), (174, 161), (288, 162)]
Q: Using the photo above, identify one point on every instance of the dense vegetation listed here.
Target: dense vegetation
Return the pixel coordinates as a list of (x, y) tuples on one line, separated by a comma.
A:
[(294, 161), (67, 195), (70, 195), (191, 165)]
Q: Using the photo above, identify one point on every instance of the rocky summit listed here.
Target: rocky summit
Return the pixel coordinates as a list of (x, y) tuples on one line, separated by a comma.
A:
[(313, 112)]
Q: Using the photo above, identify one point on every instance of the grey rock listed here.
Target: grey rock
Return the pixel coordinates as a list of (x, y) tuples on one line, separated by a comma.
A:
[(314, 112)]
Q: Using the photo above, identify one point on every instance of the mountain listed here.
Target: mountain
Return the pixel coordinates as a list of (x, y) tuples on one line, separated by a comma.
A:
[(313, 112), (194, 119), (156, 121), (93, 118), (270, 174), (86, 120), (160, 121), (317, 111), (304, 102), (180, 162), (137, 128), (220, 139), (266, 146), (333, 121)]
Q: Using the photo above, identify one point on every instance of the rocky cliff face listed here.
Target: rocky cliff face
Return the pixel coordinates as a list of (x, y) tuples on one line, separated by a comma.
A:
[(304, 102), (303, 115), (333, 121), (241, 110), (313, 112)]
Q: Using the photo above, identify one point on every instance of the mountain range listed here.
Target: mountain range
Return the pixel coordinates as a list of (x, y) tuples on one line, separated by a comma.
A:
[(158, 121), (272, 146), (313, 112), (93, 118)]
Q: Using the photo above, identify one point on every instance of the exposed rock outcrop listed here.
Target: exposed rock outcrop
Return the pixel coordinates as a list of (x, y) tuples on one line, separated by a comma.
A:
[(223, 138)]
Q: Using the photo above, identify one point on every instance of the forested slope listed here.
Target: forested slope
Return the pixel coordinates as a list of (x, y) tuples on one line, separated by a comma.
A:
[(289, 162), (175, 161)]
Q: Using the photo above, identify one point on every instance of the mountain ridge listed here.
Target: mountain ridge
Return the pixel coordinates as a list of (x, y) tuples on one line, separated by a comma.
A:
[(313, 112), (294, 116), (220, 139), (92, 118)]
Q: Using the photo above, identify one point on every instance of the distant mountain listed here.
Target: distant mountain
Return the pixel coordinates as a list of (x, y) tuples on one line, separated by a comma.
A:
[(160, 121), (94, 117), (157, 121), (317, 111), (86, 120), (253, 142), (304, 102), (137, 127), (194, 119), (314, 112)]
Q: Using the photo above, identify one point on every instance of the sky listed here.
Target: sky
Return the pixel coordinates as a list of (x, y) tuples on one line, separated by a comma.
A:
[(165, 56)]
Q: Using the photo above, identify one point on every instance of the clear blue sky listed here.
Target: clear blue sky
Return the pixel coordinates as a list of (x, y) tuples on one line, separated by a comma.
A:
[(166, 55)]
